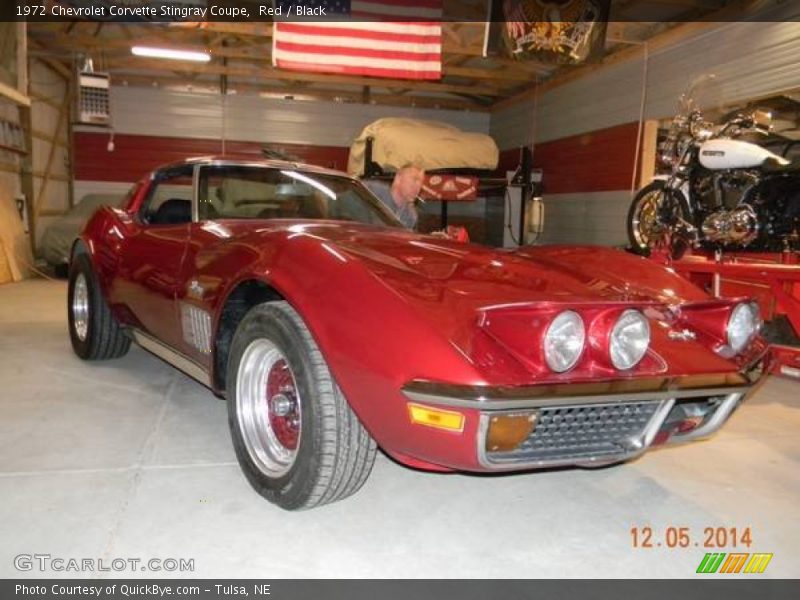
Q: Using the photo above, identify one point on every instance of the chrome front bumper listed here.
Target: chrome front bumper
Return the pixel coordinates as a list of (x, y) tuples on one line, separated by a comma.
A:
[(590, 424)]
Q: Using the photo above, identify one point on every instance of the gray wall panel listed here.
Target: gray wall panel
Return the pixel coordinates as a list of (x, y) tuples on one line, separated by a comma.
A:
[(512, 127), (146, 111), (593, 218)]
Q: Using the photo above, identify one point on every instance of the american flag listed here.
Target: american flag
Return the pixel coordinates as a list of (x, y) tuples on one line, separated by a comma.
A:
[(401, 39)]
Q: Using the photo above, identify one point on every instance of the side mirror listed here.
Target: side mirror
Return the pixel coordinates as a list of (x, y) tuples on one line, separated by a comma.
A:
[(762, 119)]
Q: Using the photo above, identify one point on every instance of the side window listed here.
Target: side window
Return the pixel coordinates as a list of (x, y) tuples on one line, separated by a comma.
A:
[(169, 201)]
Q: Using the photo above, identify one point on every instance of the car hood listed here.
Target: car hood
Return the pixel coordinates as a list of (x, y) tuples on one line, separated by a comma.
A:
[(425, 269), (470, 297)]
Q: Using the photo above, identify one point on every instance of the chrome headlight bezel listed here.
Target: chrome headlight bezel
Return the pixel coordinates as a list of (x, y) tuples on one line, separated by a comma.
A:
[(571, 329), (747, 316), (625, 353)]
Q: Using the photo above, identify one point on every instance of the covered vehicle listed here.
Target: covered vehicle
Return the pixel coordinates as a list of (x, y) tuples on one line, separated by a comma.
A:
[(292, 292), (59, 236)]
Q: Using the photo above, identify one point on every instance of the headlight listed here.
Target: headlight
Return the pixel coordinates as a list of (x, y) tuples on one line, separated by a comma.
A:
[(630, 339), (564, 341), (743, 324)]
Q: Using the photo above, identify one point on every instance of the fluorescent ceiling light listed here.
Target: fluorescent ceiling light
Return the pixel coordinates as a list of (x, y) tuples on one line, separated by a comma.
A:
[(171, 53)]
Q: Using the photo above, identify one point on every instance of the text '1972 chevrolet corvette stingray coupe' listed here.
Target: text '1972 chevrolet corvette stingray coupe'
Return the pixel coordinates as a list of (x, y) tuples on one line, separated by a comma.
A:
[(293, 293)]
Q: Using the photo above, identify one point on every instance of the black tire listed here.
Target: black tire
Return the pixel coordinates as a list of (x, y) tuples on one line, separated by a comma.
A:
[(333, 453), (780, 331), (102, 338)]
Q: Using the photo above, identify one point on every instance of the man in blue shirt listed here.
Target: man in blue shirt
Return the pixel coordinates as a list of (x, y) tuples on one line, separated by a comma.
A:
[(400, 195)]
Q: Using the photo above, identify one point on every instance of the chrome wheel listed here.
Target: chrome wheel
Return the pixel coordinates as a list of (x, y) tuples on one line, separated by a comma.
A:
[(268, 408), (646, 225), (80, 307)]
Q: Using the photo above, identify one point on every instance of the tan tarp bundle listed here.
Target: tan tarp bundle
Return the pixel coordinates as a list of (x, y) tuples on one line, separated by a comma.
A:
[(427, 144), (15, 250)]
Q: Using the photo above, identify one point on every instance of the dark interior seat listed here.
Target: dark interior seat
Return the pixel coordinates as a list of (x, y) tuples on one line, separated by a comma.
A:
[(270, 213), (311, 208), (172, 212)]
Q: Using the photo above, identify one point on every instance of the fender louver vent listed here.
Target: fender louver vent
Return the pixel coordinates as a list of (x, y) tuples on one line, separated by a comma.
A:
[(196, 325)]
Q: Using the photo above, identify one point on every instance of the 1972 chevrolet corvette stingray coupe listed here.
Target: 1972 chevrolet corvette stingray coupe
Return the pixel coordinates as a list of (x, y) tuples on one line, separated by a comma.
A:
[(293, 293)]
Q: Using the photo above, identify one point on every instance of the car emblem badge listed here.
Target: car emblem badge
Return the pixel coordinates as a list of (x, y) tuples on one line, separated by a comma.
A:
[(684, 335), (195, 290)]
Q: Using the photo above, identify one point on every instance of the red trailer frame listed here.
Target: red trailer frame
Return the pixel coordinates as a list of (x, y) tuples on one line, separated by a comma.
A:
[(772, 278)]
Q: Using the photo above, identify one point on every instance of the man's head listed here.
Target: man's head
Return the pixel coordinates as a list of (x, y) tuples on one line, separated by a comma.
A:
[(407, 184)]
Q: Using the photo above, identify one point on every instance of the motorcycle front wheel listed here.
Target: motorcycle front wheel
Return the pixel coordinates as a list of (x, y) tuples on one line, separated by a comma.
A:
[(648, 222)]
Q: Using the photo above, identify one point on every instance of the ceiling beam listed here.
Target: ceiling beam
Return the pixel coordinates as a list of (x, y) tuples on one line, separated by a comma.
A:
[(58, 67), (452, 39), (271, 73), (89, 44)]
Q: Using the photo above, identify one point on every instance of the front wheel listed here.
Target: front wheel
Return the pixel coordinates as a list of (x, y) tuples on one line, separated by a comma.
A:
[(94, 332), (657, 217), (296, 438), (645, 224)]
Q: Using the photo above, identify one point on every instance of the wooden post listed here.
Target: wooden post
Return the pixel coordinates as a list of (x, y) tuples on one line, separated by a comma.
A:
[(62, 117), (22, 57), (647, 164), (26, 173), (24, 109), (71, 90)]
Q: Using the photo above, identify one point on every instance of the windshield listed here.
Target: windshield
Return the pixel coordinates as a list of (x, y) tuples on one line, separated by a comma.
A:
[(707, 94), (253, 192)]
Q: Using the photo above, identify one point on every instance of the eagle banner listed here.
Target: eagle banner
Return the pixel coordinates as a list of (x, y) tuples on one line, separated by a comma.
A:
[(563, 32)]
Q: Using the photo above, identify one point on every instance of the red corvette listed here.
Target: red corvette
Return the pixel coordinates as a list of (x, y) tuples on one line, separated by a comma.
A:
[(292, 292)]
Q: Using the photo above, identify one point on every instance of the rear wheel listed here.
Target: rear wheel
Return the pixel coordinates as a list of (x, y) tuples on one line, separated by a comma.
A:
[(296, 439), (93, 330)]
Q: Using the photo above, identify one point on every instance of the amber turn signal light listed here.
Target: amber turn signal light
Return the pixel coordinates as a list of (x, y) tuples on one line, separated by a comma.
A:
[(436, 417), (507, 432)]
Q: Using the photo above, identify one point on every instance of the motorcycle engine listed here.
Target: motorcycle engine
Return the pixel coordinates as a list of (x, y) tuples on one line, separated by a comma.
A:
[(735, 227)]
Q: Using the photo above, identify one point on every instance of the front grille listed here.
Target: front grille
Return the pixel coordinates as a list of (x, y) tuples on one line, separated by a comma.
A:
[(566, 433)]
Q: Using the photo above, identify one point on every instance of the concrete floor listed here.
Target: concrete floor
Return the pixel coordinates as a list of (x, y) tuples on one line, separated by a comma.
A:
[(131, 459)]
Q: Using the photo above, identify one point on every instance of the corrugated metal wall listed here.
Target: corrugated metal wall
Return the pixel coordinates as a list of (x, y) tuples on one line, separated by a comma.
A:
[(193, 123), (750, 59), (137, 155), (512, 127), (146, 111)]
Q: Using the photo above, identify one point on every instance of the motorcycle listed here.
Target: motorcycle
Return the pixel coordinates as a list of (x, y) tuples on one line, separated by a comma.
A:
[(723, 191)]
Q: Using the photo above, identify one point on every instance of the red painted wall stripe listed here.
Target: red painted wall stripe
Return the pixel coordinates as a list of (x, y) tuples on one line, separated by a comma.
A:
[(599, 161), (137, 155), (592, 162), (509, 160)]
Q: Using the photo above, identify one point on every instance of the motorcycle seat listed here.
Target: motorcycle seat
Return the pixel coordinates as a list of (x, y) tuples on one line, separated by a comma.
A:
[(772, 165)]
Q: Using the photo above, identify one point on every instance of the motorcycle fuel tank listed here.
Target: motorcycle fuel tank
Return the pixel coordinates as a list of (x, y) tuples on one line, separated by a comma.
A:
[(734, 154)]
